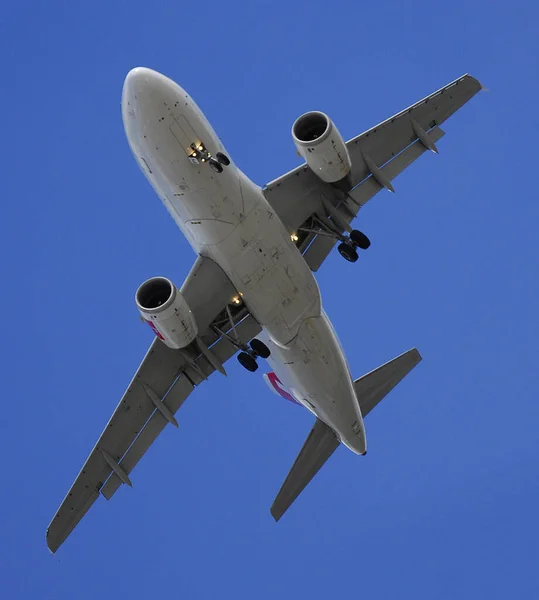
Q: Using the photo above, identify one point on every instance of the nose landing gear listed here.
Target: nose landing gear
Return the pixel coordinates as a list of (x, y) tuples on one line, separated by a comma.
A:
[(222, 158), (199, 153)]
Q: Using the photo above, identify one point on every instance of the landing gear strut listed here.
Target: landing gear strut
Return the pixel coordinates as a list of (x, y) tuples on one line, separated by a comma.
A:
[(249, 353), (349, 243)]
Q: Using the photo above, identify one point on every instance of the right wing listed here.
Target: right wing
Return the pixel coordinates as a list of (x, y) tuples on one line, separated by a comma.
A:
[(162, 382), (390, 146)]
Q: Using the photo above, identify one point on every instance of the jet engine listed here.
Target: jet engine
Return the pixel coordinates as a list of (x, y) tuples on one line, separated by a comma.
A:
[(162, 306), (319, 142)]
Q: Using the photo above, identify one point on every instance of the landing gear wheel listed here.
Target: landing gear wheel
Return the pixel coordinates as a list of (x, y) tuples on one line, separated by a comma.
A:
[(347, 252), (260, 348), (247, 361), (360, 239), (222, 158), (216, 166)]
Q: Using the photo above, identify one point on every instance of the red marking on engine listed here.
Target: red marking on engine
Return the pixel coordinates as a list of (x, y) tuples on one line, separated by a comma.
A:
[(155, 330)]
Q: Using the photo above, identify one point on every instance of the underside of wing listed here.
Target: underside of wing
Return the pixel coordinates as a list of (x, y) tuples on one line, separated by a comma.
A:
[(163, 381), (378, 155)]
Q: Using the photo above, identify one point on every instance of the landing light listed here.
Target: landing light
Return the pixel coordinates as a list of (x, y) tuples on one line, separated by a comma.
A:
[(236, 300), (294, 237)]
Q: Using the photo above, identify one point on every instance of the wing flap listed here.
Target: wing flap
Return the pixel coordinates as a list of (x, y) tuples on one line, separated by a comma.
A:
[(137, 422), (158, 370), (389, 138), (368, 188), (173, 401), (319, 446), (223, 350)]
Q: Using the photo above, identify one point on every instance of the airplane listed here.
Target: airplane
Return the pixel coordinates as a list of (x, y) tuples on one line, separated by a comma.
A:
[(252, 289)]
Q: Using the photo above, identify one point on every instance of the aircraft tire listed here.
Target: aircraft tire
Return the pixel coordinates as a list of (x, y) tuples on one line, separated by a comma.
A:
[(247, 361), (360, 239), (347, 252), (222, 158), (216, 165), (260, 348)]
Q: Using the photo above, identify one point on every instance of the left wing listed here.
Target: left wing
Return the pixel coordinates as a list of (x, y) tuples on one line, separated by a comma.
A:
[(377, 155), (161, 384)]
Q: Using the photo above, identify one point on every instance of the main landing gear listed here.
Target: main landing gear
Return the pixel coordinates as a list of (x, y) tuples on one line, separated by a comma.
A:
[(201, 154), (348, 248), (338, 228), (248, 357), (249, 353)]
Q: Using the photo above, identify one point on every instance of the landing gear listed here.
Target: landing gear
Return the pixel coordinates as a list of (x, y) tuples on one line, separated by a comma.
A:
[(215, 165), (248, 353), (350, 239), (248, 357), (360, 239), (347, 248), (348, 252), (199, 153), (222, 158), (260, 348), (247, 361)]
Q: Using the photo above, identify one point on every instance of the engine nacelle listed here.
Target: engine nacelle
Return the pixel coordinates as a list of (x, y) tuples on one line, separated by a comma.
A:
[(166, 311), (321, 145)]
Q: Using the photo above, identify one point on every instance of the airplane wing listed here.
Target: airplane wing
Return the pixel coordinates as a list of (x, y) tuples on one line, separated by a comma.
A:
[(378, 156), (163, 381)]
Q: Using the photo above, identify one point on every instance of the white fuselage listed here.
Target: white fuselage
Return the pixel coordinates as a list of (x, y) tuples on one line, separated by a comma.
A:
[(226, 217)]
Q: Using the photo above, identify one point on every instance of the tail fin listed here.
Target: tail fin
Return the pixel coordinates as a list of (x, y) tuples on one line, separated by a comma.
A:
[(374, 386)]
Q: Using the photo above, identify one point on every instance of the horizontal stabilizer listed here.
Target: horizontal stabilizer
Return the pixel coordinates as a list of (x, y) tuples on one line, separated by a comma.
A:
[(318, 447), (374, 386), (322, 442)]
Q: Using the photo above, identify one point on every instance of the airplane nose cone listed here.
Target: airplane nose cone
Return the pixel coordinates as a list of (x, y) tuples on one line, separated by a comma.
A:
[(142, 82), (145, 95)]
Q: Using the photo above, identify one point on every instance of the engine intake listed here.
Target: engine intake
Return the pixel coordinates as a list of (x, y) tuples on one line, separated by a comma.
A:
[(319, 142), (162, 306), (311, 126), (154, 293)]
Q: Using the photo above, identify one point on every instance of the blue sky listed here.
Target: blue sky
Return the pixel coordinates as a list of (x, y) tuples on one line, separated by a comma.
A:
[(445, 503)]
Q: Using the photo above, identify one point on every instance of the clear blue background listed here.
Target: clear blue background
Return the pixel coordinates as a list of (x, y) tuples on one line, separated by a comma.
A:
[(445, 504)]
